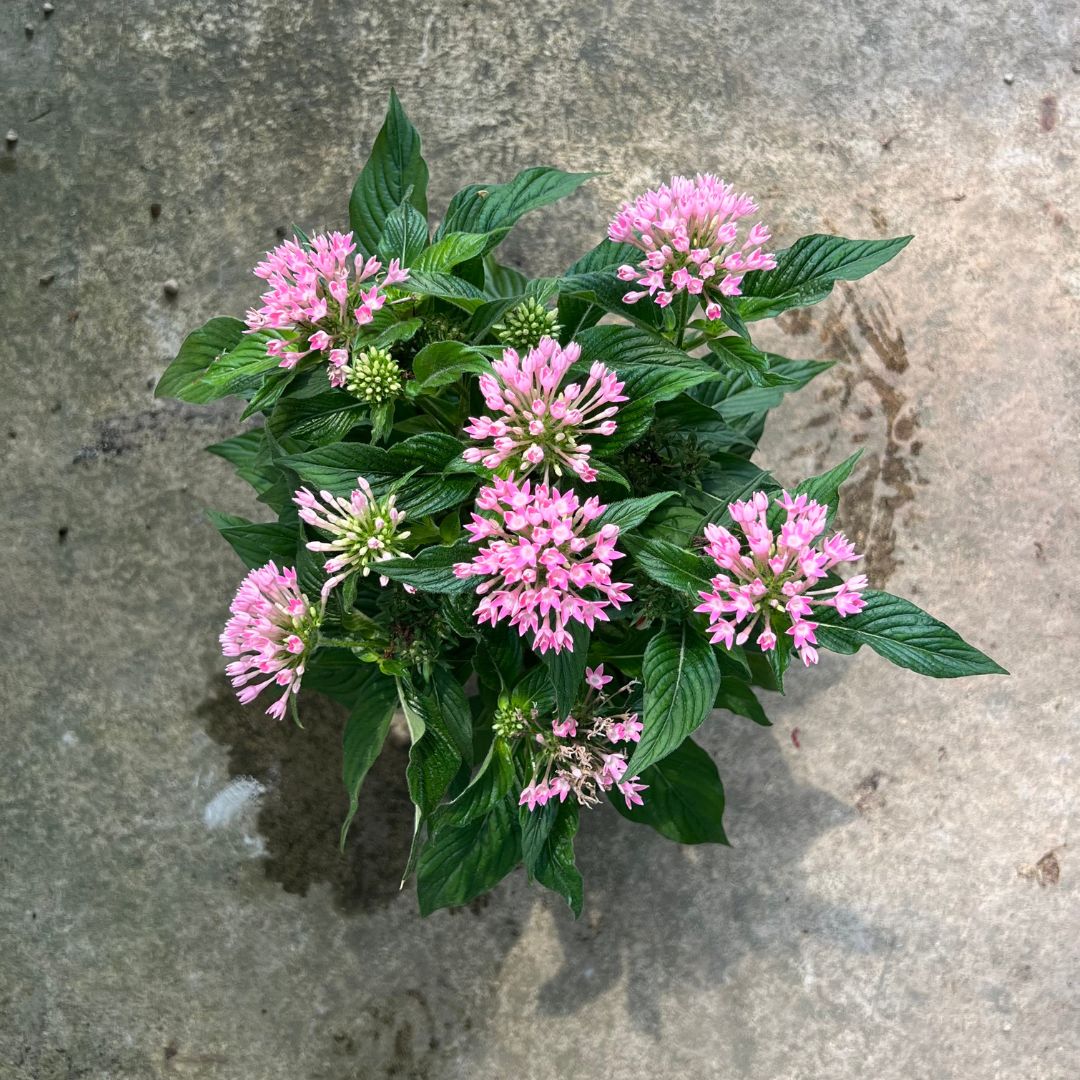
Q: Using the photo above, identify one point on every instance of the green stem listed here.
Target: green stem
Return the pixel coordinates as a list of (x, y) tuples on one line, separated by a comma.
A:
[(682, 316)]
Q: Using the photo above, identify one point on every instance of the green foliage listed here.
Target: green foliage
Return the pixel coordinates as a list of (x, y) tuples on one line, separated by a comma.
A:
[(478, 700)]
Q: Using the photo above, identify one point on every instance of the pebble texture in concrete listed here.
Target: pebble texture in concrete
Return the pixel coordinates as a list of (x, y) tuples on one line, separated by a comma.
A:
[(901, 898)]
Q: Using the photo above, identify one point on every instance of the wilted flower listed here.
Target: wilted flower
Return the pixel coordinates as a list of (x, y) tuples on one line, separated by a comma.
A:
[(272, 629), (579, 755), (777, 574), (689, 232), (542, 561), (364, 530), (539, 423)]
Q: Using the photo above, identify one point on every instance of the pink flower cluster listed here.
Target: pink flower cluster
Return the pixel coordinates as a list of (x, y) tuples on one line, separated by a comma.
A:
[(538, 423), (777, 574), (581, 758), (272, 630), (689, 230), (312, 290), (541, 560)]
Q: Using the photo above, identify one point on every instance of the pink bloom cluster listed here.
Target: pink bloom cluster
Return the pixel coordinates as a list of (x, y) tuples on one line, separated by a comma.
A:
[(272, 630), (581, 758), (313, 290), (540, 560), (689, 230), (777, 574), (364, 531), (537, 423)]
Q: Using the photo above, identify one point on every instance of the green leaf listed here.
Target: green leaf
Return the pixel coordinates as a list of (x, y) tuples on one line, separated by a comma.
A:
[(681, 679), (481, 208), (434, 758), (672, 565), (444, 694), (590, 287), (452, 249), (394, 169), (806, 271), (740, 397), (322, 419), (742, 358), (490, 785), (684, 800), (445, 286), (547, 849), (241, 370), (200, 349), (566, 669), (904, 634), (433, 569), (502, 282), (365, 733), (737, 697), (256, 543), (247, 454), (629, 513), (825, 489), (404, 235), (444, 362), (339, 675), (459, 863)]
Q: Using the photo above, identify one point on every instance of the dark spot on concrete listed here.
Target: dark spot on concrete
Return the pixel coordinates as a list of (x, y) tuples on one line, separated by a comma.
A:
[(1040, 553), (820, 420), (916, 448), (280, 232), (300, 816), (795, 739), (62, 534), (797, 322), (73, 316), (868, 794), (942, 753), (1048, 112), (28, 29), (47, 9), (881, 223), (171, 1050), (886, 144), (122, 434), (12, 434), (171, 288), (46, 279), (867, 511), (1047, 871), (155, 210)]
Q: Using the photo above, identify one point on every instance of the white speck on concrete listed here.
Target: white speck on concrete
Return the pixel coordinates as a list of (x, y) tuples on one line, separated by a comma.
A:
[(229, 803)]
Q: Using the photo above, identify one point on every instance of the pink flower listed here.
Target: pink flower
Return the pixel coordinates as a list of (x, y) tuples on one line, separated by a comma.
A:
[(271, 631), (564, 728), (534, 795), (313, 291), (625, 729), (544, 567), (777, 574), (538, 421), (630, 789), (596, 678), (364, 531), (686, 229)]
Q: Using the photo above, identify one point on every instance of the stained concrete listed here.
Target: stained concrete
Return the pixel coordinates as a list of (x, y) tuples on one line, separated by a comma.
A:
[(901, 899)]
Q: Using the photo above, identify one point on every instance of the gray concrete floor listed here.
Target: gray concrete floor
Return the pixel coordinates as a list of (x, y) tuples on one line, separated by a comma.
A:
[(901, 900)]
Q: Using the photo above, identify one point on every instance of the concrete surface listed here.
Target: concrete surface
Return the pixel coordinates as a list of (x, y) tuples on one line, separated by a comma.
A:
[(901, 901)]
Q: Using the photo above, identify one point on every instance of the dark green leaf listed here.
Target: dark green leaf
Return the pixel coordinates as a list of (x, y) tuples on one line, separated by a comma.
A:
[(459, 863), (737, 697), (629, 513), (256, 543), (322, 419), (433, 569), (681, 679), (404, 235), (740, 397), (672, 565), (365, 732), (434, 759), (904, 634), (486, 208), (200, 349), (553, 864), (444, 362), (452, 249), (446, 286), (490, 785), (566, 669), (684, 800), (394, 167), (825, 489), (806, 271)]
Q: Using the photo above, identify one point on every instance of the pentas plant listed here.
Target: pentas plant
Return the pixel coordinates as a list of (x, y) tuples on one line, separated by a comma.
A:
[(521, 516)]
